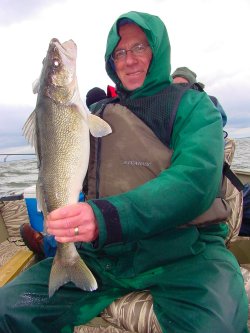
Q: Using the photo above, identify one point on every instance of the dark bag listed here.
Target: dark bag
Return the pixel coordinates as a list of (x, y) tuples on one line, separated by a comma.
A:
[(245, 226)]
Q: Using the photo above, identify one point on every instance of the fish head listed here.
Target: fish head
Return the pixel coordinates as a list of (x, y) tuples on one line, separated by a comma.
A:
[(58, 77)]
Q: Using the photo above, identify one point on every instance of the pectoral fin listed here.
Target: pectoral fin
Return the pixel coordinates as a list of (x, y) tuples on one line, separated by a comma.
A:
[(97, 126), (29, 130), (36, 86)]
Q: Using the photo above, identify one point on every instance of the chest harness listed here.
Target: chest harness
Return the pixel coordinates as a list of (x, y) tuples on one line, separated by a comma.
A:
[(138, 149)]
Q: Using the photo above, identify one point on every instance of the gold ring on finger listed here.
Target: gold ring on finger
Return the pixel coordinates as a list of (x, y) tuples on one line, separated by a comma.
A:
[(76, 231)]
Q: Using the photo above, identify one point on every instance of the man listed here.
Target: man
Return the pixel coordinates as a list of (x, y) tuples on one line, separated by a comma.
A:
[(94, 95), (185, 75), (138, 230)]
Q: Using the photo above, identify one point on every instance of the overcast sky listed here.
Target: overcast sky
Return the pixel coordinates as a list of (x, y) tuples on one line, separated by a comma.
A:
[(211, 37)]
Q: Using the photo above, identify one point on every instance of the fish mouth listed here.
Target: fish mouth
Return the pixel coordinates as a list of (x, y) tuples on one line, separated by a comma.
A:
[(59, 70), (68, 48), (63, 61)]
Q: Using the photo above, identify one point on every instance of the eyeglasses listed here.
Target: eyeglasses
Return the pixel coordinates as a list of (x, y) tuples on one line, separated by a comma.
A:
[(137, 50)]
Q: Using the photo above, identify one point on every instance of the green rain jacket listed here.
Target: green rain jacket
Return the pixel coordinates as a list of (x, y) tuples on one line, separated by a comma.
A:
[(132, 223)]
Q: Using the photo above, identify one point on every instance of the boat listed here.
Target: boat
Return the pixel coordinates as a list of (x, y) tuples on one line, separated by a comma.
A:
[(16, 257), (243, 175)]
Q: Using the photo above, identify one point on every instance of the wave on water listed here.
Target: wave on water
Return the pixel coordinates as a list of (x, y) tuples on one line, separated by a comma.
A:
[(242, 154), (15, 176)]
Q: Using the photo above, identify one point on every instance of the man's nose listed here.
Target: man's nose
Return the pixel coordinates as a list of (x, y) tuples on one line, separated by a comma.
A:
[(130, 57)]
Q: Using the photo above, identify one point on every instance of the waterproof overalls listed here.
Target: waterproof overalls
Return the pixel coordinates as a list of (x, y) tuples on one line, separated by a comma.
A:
[(195, 281)]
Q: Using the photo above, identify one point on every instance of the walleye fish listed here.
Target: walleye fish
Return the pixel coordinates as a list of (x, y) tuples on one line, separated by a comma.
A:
[(59, 129)]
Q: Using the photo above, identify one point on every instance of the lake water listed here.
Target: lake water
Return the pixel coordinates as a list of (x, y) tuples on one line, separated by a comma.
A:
[(16, 175)]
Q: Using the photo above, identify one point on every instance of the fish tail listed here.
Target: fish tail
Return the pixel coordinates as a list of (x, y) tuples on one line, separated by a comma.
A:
[(78, 273)]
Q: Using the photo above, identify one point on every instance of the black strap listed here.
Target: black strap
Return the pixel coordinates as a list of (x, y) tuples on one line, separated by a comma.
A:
[(232, 177), (12, 197), (99, 106), (174, 110), (197, 86)]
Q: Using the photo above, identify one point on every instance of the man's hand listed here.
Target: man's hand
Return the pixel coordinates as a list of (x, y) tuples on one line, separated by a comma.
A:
[(73, 223)]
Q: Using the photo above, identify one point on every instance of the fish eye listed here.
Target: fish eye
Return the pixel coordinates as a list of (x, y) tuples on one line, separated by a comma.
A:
[(56, 63)]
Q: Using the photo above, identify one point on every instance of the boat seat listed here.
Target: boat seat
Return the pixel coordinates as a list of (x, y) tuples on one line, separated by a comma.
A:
[(14, 255), (18, 262)]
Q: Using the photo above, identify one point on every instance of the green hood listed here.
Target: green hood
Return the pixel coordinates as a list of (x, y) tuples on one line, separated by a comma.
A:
[(158, 76)]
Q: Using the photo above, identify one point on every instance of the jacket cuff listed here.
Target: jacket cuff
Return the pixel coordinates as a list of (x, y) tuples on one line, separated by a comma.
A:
[(108, 219)]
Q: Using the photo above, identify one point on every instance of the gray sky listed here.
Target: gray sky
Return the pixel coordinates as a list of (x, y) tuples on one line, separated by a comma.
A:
[(210, 37)]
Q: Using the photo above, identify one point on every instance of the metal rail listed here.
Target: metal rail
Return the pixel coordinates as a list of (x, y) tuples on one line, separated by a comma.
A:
[(7, 155)]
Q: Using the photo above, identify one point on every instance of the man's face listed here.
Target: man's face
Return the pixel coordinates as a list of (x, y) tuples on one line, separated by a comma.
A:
[(132, 68), (179, 79)]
